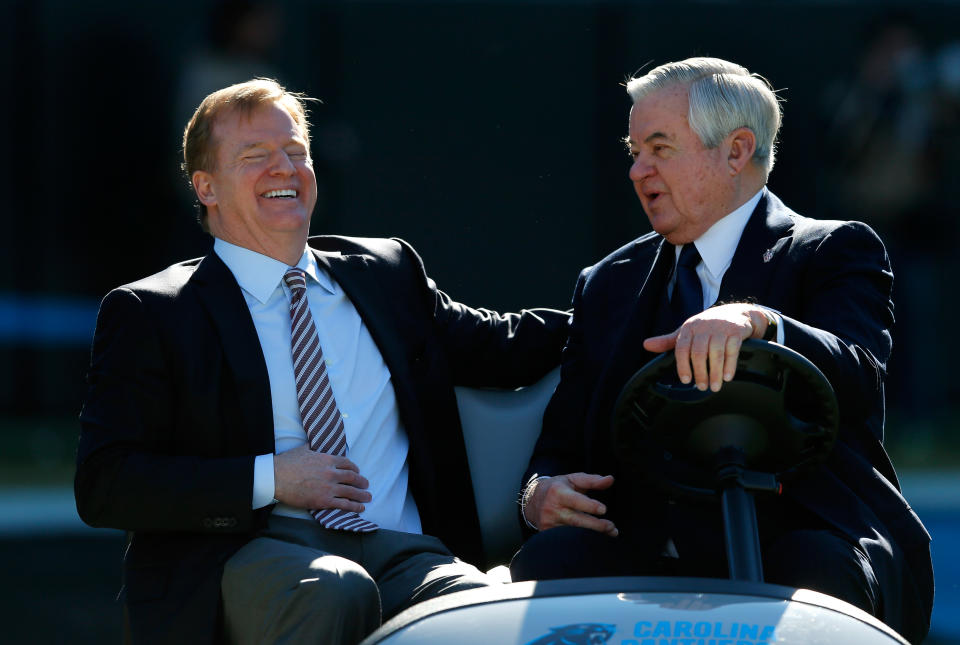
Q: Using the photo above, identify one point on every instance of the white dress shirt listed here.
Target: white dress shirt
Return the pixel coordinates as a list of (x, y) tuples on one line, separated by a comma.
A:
[(717, 247), (360, 380)]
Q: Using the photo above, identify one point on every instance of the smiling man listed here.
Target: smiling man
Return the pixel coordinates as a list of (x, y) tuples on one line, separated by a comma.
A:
[(727, 261), (258, 185), (275, 424)]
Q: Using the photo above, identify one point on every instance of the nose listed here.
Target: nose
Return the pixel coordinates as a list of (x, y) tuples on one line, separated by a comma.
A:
[(281, 165), (640, 169)]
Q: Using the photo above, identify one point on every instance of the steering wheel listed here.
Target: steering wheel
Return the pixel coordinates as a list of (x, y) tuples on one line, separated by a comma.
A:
[(779, 416)]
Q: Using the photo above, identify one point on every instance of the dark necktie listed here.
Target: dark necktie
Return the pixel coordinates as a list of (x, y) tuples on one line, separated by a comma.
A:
[(687, 299), (319, 413)]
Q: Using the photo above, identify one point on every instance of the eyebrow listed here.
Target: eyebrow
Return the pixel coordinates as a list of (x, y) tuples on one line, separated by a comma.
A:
[(249, 146), (260, 144), (657, 135)]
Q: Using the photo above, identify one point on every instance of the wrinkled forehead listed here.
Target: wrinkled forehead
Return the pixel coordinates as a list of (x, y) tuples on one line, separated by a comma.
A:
[(244, 125), (246, 113)]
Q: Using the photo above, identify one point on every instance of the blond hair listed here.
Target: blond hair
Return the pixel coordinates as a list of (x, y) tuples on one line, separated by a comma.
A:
[(199, 144)]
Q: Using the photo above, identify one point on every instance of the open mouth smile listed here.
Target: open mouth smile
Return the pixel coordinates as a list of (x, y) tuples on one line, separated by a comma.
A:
[(283, 193)]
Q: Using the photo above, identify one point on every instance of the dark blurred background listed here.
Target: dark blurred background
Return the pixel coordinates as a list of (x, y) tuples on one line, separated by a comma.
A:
[(487, 134)]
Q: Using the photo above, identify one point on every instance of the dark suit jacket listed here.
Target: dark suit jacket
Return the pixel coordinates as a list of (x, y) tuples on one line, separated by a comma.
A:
[(832, 282), (179, 404)]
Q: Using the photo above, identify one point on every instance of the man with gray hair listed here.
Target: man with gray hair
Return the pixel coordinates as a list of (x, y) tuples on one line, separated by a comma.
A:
[(727, 261)]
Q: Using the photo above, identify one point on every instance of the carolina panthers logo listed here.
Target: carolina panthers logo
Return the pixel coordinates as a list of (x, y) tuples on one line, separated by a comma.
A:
[(579, 634)]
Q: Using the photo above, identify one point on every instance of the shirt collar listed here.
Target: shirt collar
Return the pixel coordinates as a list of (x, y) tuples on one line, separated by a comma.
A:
[(259, 274), (719, 243)]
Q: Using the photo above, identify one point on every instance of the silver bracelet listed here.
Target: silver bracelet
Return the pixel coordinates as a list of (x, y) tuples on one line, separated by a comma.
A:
[(525, 497)]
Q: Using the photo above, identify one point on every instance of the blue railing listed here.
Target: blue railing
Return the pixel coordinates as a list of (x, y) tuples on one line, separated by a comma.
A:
[(47, 320)]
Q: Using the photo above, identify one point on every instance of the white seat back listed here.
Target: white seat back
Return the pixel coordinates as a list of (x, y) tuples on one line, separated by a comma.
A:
[(500, 428)]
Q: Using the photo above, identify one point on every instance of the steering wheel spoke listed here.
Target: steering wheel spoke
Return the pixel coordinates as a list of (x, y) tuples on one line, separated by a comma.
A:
[(777, 418)]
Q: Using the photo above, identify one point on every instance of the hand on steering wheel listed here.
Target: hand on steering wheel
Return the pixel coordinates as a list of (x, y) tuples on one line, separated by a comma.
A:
[(707, 345)]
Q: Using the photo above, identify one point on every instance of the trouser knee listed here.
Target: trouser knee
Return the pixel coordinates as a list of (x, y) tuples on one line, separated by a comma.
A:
[(567, 552), (328, 599), (340, 593), (823, 561)]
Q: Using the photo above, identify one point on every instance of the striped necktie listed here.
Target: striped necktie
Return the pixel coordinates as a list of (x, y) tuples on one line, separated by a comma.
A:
[(321, 417)]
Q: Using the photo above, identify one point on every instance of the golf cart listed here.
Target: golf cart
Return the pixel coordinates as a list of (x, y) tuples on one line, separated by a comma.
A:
[(778, 417)]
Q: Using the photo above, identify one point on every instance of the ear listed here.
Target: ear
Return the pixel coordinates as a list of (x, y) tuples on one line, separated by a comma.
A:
[(741, 144), (202, 184)]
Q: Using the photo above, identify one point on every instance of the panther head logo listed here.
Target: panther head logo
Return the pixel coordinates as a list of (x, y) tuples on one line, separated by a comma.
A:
[(578, 634)]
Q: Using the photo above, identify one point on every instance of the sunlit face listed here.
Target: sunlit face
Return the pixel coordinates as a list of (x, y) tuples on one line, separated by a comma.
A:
[(263, 186), (684, 187)]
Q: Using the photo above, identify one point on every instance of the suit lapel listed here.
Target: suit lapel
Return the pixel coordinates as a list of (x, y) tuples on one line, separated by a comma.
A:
[(221, 295), (628, 354), (353, 274), (761, 247), (652, 294)]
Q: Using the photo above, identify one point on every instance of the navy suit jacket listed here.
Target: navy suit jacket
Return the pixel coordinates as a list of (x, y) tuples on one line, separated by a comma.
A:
[(178, 406), (832, 283)]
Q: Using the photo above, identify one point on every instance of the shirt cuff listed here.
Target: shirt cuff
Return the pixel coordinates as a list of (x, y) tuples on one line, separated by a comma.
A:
[(776, 314), (263, 485)]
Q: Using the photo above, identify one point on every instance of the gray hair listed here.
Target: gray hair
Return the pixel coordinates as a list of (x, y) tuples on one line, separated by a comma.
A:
[(723, 96)]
